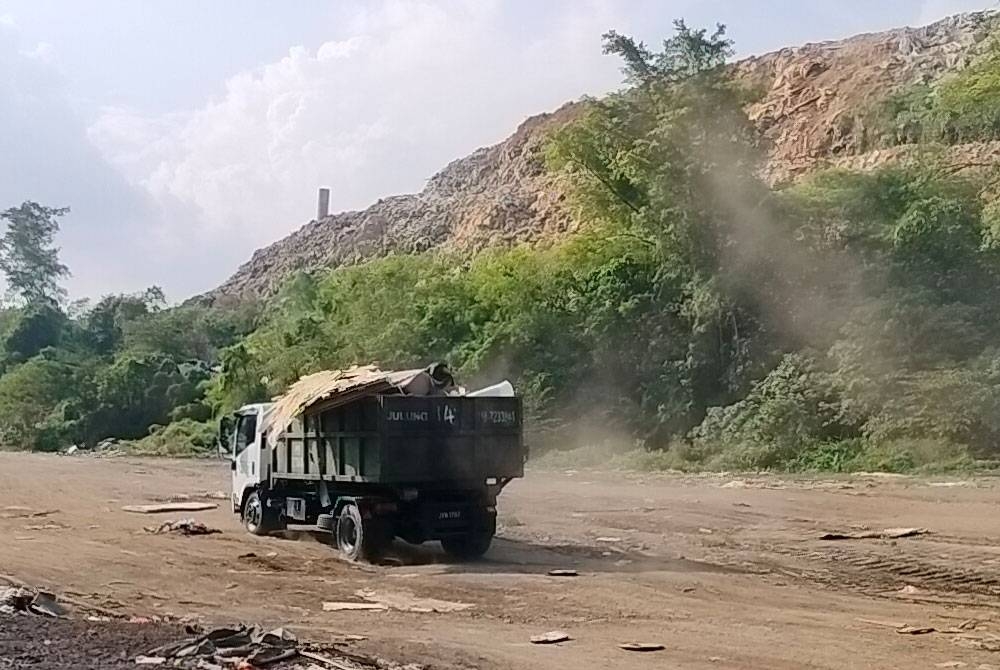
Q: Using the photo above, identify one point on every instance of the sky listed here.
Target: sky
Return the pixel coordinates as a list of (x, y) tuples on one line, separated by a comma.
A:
[(185, 134)]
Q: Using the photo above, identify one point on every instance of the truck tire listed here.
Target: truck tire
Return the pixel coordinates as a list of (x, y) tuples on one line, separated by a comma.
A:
[(258, 518), (469, 546), (359, 539)]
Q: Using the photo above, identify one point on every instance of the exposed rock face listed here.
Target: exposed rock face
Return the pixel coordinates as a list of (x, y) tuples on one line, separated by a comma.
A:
[(818, 96), (812, 111)]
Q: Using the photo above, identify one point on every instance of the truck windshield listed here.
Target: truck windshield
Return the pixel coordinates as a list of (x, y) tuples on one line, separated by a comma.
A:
[(246, 431)]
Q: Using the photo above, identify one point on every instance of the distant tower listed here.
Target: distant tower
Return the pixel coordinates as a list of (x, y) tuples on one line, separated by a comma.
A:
[(323, 210)]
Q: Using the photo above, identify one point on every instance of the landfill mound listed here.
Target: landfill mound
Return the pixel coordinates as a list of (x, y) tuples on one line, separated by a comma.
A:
[(814, 105)]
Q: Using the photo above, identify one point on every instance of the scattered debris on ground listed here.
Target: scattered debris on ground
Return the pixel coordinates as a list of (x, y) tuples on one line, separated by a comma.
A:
[(34, 642), (184, 497), (641, 646), (46, 526), (20, 600), (399, 601), (183, 527), (552, 637), (145, 642), (343, 606), (407, 602), (754, 484), (966, 634), (915, 630), (244, 647), (108, 448), (882, 622), (214, 495), (18, 512), (886, 534), (161, 508)]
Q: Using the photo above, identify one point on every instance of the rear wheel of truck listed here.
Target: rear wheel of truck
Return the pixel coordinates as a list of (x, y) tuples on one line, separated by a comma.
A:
[(359, 539), (469, 546), (258, 518)]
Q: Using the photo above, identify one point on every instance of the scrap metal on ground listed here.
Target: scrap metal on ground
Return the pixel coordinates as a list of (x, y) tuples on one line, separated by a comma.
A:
[(245, 648), (183, 527), (20, 600)]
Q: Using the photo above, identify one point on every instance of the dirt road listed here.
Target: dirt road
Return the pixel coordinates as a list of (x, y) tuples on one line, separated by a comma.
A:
[(725, 572)]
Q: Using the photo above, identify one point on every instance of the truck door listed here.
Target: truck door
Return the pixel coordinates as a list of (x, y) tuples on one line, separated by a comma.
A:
[(246, 455)]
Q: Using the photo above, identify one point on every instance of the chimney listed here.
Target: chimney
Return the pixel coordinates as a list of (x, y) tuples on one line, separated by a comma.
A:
[(323, 210)]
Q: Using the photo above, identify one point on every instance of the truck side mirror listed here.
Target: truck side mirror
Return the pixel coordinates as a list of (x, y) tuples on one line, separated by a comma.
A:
[(222, 441)]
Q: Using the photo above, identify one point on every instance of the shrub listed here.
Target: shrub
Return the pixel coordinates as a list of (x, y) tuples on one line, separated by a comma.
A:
[(184, 437)]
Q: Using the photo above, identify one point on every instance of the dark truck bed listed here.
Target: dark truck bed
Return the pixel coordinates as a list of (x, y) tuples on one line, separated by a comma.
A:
[(395, 440)]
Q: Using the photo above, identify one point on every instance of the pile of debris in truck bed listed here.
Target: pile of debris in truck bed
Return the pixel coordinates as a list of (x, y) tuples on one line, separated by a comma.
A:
[(333, 388), (340, 387)]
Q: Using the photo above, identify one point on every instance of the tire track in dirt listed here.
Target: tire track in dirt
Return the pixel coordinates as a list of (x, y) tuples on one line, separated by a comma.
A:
[(887, 568)]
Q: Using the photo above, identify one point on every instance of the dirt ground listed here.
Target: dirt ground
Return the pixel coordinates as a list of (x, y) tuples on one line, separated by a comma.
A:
[(43, 644), (725, 572)]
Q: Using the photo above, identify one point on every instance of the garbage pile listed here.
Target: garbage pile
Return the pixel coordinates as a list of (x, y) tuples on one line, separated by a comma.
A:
[(243, 648), (183, 527), (19, 600), (109, 448)]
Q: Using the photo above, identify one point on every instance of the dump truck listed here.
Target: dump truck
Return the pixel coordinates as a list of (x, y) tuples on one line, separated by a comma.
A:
[(368, 455)]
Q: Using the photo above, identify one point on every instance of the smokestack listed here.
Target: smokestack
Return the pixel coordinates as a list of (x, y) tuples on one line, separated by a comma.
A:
[(323, 210)]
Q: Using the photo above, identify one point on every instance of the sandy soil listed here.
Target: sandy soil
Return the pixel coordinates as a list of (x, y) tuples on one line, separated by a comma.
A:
[(725, 572)]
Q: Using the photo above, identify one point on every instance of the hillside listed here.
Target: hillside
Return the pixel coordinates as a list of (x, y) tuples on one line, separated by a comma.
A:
[(496, 195), (814, 106)]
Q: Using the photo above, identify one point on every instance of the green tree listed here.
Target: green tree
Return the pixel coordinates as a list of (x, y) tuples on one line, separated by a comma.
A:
[(186, 332), (27, 255), (671, 162), (689, 53), (30, 395), (38, 326), (104, 324), (135, 392)]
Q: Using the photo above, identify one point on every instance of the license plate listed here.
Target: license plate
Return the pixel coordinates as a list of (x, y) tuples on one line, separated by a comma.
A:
[(454, 514)]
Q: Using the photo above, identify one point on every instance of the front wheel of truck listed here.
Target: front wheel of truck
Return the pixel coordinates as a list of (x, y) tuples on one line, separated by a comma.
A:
[(469, 546), (258, 518), (359, 539)]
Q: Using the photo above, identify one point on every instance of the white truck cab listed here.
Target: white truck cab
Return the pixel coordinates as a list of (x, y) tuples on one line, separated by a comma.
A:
[(248, 452)]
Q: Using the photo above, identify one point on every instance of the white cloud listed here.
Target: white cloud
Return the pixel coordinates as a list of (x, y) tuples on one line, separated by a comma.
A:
[(43, 51), (7, 21), (405, 87)]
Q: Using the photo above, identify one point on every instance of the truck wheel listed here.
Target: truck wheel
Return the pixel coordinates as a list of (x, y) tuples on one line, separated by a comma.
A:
[(358, 539), (258, 518), (469, 546)]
